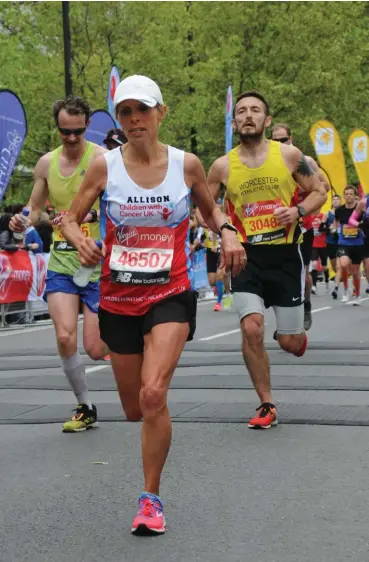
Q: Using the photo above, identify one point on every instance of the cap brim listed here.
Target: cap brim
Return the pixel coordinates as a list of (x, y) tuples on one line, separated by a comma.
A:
[(150, 102)]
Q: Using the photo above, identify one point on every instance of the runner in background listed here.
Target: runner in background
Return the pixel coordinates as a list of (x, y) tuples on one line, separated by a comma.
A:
[(319, 253), (228, 297), (218, 278), (332, 243), (194, 239), (211, 243), (260, 178), (58, 176), (222, 282), (360, 219), (350, 245)]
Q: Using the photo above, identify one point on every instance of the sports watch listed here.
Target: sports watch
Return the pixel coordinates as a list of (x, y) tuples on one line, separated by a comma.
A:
[(228, 226), (301, 211)]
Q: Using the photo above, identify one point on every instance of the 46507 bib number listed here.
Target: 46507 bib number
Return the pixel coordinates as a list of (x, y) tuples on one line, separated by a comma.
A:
[(143, 256)]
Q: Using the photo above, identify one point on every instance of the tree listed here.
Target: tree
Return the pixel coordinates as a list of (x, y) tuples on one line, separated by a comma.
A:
[(310, 59)]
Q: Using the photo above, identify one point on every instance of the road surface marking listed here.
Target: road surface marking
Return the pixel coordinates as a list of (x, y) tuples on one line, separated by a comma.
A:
[(362, 300), (97, 368), (215, 336), (321, 309), (219, 335)]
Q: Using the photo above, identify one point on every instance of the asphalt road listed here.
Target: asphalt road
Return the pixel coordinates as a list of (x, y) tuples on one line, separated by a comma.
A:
[(295, 493)]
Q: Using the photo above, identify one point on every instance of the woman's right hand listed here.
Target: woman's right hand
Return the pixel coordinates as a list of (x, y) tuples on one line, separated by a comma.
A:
[(89, 253)]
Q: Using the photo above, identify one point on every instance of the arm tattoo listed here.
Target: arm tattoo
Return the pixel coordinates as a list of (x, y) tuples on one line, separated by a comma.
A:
[(303, 168)]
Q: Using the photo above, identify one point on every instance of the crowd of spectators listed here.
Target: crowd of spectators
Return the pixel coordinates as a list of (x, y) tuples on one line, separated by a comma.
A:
[(38, 238)]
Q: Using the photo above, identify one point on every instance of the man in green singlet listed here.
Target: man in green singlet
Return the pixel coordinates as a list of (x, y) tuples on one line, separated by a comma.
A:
[(58, 176)]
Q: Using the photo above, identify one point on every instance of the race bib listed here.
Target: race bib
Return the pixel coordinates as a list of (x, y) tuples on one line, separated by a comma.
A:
[(350, 231), (142, 255), (60, 243), (260, 224)]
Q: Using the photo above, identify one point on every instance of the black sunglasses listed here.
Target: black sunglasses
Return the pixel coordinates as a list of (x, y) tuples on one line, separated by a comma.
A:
[(282, 140), (68, 132)]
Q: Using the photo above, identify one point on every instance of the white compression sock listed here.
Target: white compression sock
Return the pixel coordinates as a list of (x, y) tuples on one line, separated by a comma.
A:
[(74, 370)]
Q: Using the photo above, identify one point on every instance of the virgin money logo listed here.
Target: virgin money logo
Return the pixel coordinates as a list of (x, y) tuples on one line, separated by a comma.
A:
[(126, 236), (262, 208), (251, 210), (5, 276)]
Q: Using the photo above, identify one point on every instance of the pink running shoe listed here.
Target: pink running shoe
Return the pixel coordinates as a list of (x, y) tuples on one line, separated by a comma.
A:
[(150, 517), (217, 307)]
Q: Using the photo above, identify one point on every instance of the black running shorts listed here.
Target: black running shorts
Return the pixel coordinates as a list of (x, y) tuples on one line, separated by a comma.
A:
[(332, 251), (212, 260), (321, 253), (125, 334), (275, 273), (354, 253)]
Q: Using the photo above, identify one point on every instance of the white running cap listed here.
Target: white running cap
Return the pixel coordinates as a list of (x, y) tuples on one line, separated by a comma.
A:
[(138, 88)]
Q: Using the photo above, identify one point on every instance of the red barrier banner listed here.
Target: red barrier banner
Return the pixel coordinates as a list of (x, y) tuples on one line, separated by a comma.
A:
[(22, 276)]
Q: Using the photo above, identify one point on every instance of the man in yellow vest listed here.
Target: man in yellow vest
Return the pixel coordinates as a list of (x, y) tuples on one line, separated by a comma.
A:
[(260, 178), (58, 176)]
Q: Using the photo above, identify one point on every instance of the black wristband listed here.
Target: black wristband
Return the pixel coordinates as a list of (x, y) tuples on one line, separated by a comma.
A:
[(227, 226)]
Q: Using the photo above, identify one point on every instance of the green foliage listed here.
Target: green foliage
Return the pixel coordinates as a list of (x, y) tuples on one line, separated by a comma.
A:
[(310, 59)]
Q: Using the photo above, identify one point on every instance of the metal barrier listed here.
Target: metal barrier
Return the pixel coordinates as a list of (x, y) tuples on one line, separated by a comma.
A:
[(27, 311), (21, 309)]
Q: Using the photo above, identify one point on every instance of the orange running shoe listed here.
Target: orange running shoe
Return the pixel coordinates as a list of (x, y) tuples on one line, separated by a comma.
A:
[(107, 358), (217, 307), (150, 517), (266, 418)]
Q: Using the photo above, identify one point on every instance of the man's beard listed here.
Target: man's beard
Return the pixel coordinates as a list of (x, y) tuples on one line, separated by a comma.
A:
[(250, 137)]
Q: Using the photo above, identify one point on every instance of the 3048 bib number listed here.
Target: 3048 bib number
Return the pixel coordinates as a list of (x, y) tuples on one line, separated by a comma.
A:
[(257, 225), (264, 230)]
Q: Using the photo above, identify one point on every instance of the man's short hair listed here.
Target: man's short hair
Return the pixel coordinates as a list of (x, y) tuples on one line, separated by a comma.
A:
[(284, 126), (73, 105), (252, 94), (350, 187)]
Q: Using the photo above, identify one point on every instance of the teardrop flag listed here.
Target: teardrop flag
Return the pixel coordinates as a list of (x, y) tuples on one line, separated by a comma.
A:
[(328, 148), (358, 143)]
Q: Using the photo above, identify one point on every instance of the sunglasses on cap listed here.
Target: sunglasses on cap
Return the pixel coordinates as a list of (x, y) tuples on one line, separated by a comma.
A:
[(68, 132), (282, 140)]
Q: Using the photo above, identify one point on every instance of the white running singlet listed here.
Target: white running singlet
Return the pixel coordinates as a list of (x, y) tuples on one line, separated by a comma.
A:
[(147, 238)]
